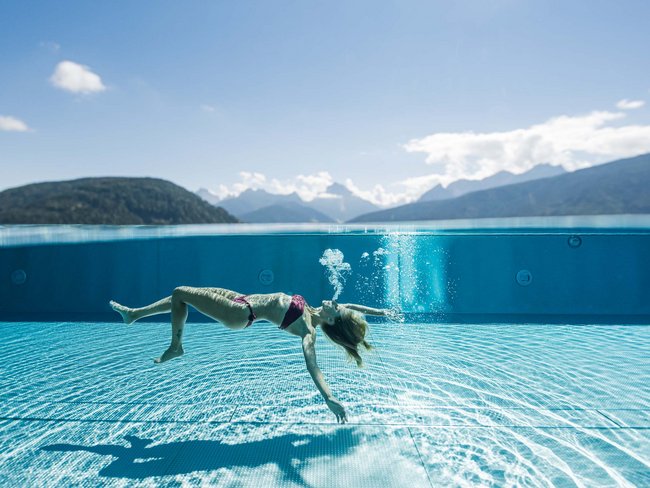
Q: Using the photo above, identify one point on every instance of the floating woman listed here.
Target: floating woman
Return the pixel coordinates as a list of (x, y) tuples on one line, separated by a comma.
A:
[(345, 324)]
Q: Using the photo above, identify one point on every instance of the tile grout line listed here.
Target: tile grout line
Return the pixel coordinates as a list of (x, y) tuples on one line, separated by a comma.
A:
[(253, 422), (610, 419), (428, 407), (426, 471), (233, 413)]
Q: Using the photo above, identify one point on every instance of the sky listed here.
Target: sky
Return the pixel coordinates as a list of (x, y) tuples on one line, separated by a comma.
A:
[(388, 98)]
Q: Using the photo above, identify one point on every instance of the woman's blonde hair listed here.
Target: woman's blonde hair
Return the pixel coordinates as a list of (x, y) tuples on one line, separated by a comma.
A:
[(348, 331)]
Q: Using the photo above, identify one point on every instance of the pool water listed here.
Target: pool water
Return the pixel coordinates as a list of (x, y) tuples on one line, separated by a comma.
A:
[(436, 405)]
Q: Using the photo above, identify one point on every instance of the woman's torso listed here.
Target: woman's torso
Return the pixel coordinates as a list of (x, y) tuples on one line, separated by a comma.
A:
[(286, 311)]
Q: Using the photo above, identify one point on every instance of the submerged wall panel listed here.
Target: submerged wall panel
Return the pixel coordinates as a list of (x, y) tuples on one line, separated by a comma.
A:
[(470, 277)]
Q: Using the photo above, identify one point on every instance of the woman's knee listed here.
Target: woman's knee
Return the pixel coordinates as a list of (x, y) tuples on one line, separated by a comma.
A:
[(180, 294)]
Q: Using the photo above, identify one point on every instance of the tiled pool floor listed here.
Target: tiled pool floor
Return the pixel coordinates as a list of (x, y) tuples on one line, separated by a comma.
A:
[(437, 405)]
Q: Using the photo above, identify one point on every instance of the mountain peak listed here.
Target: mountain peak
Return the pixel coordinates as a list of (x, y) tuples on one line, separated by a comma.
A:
[(338, 189), (501, 178)]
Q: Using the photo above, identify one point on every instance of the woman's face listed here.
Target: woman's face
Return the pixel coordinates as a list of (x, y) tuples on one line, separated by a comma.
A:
[(330, 311)]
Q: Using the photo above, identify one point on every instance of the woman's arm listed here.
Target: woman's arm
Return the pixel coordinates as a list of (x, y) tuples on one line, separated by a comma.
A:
[(309, 351), (364, 309), (393, 314)]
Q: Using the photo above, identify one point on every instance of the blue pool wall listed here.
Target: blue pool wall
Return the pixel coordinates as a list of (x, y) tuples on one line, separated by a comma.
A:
[(465, 277)]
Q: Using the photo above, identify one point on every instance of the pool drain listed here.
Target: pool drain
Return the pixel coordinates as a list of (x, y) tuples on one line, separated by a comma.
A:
[(266, 277), (574, 241), (18, 277)]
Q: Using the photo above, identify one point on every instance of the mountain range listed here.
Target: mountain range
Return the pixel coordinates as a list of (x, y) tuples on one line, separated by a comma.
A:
[(461, 187), (618, 187), (337, 204)]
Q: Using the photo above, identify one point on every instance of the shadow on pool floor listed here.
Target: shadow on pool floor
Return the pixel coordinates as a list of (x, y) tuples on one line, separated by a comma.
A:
[(140, 461)]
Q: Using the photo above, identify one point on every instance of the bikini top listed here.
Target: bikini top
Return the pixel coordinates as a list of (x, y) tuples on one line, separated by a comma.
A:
[(294, 312)]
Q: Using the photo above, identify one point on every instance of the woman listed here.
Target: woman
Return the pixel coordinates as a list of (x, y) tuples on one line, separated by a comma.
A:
[(343, 324)]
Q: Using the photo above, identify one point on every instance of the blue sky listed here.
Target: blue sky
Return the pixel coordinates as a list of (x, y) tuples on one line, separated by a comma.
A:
[(387, 97)]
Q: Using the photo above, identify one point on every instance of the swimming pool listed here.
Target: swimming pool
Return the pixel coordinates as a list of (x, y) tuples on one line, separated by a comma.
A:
[(483, 403)]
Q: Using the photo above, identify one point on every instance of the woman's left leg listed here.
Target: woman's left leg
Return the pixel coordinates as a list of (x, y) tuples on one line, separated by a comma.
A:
[(130, 315)]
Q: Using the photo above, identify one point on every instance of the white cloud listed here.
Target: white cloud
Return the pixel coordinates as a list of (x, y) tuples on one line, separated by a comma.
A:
[(310, 186), (208, 108), (76, 78), (307, 186), (626, 104), (573, 141), (8, 123), (379, 195), (315, 185)]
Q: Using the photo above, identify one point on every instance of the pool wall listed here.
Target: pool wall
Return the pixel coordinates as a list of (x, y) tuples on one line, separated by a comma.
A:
[(529, 277)]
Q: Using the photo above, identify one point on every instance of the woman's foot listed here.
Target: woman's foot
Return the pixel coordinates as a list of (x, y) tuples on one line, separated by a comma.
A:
[(125, 312), (170, 353)]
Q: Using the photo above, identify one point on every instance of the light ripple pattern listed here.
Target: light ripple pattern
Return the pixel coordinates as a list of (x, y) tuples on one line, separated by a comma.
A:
[(436, 405)]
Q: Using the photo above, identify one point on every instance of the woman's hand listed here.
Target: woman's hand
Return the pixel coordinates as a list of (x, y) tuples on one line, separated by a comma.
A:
[(338, 409), (394, 315)]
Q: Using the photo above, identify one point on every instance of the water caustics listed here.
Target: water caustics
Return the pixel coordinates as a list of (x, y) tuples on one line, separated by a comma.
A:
[(497, 405)]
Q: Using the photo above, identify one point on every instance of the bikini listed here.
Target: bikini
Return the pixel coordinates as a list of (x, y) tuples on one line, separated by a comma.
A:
[(294, 312), (252, 316)]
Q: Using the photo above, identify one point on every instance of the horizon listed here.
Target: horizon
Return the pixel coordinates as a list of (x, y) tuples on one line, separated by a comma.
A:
[(387, 100), (325, 194)]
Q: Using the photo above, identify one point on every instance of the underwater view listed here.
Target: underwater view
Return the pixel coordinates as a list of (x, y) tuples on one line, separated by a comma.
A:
[(438, 402)]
